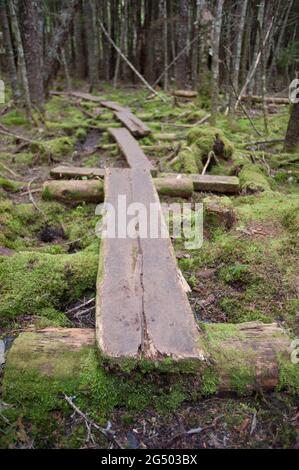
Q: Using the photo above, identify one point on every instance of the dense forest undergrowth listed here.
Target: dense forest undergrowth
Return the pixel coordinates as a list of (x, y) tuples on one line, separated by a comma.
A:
[(246, 270)]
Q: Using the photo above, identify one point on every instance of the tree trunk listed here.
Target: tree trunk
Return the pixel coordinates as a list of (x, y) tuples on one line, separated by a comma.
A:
[(33, 50), (91, 39), (215, 60), (242, 8), (21, 57), (79, 46), (182, 39), (11, 65), (59, 37), (292, 137)]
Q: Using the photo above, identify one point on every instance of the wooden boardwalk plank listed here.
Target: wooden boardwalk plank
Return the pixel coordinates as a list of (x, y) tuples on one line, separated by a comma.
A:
[(118, 319), (170, 328), (131, 150), (133, 124), (142, 308), (63, 171)]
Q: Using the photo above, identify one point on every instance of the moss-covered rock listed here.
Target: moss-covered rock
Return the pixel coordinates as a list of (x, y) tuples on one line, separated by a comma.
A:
[(252, 179), (204, 138), (54, 148), (188, 161)]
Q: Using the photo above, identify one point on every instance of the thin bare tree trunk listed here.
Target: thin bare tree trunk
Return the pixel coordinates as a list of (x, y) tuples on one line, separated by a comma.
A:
[(12, 69), (165, 41), (242, 9), (215, 60), (281, 36), (21, 57)]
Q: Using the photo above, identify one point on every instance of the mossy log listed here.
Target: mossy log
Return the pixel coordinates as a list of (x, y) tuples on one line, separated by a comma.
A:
[(213, 183), (93, 190), (180, 186), (239, 358), (266, 99), (74, 191)]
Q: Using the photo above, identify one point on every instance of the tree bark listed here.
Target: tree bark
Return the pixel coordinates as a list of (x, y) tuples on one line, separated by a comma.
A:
[(21, 57), (59, 37), (33, 50), (92, 46), (242, 8), (215, 60), (11, 65), (182, 39), (292, 137)]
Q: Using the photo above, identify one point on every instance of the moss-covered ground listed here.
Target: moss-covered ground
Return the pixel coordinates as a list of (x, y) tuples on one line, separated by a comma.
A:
[(49, 262)]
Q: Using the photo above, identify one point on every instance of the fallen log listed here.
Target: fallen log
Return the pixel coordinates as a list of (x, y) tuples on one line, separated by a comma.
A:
[(239, 358), (266, 99), (180, 186), (217, 184), (93, 190), (185, 93), (74, 190), (61, 172)]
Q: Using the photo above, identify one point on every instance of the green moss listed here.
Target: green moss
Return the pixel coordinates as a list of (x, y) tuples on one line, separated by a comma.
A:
[(10, 185), (252, 179), (209, 381), (31, 282), (288, 375), (236, 273), (14, 118), (81, 134), (56, 148), (204, 139), (188, 161)]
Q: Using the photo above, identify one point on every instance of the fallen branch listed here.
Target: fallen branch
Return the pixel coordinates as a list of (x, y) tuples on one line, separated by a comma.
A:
[(129, 63), (108, 434)]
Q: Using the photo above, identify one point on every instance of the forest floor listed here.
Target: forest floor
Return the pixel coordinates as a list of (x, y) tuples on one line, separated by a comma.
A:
[(245, 272)]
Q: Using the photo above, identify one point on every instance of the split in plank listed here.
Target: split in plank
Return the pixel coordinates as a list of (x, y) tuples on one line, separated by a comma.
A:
[(142, 308), (131, 150)]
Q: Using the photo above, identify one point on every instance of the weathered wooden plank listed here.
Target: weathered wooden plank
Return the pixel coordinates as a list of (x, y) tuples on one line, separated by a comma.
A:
[(78, 94), (131, 150), (217, 184), (63, 171), (119, 299), (142, 307), (132, 123), (169, 325), (114, 106)]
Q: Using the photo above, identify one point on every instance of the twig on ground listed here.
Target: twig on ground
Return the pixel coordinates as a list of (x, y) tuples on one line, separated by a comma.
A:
[(32, 199), (210, 156), (108, 434), (9, 170), (81, 305)]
